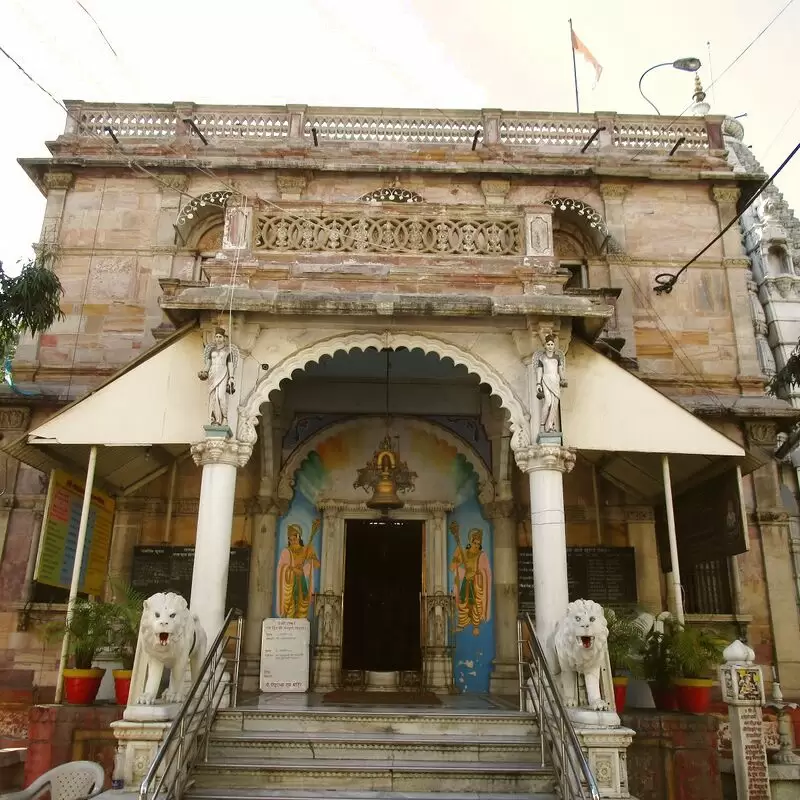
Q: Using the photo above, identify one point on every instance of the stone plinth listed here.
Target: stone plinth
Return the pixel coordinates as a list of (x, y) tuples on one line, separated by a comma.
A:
[(138, 742), (606, 750), (673, 756)]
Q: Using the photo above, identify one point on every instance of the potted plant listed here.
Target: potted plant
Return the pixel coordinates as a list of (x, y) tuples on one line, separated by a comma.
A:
[(88, 632), (697, 652), (659, 665), (125, 614), (625, 643)]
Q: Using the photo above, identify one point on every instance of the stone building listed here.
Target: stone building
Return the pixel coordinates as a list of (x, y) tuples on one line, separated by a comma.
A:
[(462, 302)]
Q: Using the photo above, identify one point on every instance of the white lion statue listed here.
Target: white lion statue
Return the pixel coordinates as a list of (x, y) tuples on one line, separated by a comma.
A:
[(169, 636), (580, 640)]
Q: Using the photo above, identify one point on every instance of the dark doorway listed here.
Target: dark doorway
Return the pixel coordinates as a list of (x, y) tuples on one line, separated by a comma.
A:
[(382, 586)]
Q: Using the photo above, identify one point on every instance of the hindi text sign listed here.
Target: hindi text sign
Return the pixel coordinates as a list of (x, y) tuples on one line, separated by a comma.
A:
[(285, 649)]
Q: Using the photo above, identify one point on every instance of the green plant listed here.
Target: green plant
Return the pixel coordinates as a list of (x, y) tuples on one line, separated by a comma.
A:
[(625, 641), (30, 301), (88, 631), (696, 651), (125, 614), (659, 662)]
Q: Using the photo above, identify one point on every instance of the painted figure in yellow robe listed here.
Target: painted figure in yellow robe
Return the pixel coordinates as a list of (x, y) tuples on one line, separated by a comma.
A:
[(296, 573), (473, 580)]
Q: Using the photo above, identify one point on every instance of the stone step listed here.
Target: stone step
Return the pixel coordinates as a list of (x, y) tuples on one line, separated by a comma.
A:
[(373, 775), (375, 745), (277, 793), (428, 721)]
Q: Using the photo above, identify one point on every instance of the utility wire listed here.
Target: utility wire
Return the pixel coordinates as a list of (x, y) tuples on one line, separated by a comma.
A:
[(666, 280), (97, 25)]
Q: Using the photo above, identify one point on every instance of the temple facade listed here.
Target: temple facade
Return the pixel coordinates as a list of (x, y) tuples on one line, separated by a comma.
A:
[(404, 374)]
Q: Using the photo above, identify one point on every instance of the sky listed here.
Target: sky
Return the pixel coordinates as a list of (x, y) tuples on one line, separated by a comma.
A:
[(439, 54)]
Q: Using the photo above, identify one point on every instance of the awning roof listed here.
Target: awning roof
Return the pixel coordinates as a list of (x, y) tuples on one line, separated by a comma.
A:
[(142, 418), (146, 416), (623, 426)]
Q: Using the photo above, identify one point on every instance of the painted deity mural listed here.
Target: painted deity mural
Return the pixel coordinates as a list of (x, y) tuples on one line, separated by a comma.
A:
[(445, 475), (470, 559), (299, 545)]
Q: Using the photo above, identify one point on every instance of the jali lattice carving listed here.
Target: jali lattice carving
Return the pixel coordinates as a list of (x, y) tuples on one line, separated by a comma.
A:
[(393, 234)]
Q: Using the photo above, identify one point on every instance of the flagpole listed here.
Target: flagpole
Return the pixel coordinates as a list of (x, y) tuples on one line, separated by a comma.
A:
[(574, 68)]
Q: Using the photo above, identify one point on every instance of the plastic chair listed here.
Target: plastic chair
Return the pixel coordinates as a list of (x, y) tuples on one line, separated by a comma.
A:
[(75, 780)]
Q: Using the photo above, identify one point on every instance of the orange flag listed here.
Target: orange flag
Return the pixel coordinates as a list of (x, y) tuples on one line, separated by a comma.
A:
[(579, 47)]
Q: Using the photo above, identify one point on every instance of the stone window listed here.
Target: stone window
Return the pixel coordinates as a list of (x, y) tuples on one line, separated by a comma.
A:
[(778, 261)]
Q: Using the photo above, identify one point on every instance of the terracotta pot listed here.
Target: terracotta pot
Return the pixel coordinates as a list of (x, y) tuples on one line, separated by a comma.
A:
[(81, 685), (122, 685), (664, 697), (694, 694), (620, 692)]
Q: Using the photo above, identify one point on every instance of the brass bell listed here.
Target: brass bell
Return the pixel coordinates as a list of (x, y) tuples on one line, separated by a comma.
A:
[(384, 496)]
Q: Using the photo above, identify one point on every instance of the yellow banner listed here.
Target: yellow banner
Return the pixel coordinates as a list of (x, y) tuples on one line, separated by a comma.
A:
[(60, 536)]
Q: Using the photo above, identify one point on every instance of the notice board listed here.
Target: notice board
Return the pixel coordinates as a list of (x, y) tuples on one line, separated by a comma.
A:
[(60, 536), (169, 569), (606, 575)]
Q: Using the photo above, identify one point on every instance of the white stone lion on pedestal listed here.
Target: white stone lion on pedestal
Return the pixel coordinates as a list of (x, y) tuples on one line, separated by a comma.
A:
[(169, 636), (580, 641)]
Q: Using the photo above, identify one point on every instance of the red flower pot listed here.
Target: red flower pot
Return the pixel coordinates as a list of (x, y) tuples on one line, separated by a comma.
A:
[(664, 697), (620, 692), (122, 685), (81, 685), (694, 694)]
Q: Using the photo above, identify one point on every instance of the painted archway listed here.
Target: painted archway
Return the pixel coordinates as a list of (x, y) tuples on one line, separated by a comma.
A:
[(249, 410)]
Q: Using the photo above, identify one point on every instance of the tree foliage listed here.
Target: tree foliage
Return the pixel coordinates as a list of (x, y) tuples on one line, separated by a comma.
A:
[(31, 301)]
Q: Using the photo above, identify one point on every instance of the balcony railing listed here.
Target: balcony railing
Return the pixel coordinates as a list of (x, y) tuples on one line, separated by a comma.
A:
[(304, 125)]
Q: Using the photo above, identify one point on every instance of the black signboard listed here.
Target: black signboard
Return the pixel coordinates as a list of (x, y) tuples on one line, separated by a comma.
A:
[(606, 575), (708, 523), (169, 569)]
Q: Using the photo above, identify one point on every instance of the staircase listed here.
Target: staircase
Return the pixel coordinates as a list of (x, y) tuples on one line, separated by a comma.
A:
[(347, 753)]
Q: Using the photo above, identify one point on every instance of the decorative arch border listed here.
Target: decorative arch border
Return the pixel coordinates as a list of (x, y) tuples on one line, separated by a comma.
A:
[(391, 194), (302, 451), (591, 215), (250, 407), (190, 212)]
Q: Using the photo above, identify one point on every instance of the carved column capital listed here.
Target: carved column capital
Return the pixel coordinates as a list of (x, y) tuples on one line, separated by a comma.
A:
[(291, 185), (613, 191), (218, 450), (545, 456), (58, 180), (724, 195), (495, 191), (178, 182), (500, 509)]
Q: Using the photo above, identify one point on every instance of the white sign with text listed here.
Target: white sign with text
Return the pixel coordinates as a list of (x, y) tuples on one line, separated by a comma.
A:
[(285, 649)]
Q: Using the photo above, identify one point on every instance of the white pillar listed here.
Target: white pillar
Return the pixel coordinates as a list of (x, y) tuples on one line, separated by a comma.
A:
[(76, 566), (219, 457), (546, 465), (674, 577)]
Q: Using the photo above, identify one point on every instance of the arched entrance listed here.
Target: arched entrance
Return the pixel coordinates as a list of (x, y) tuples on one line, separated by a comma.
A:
[(408, 594)]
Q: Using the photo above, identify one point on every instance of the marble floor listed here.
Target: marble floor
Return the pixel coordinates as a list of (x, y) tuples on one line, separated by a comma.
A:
[(312, 701)]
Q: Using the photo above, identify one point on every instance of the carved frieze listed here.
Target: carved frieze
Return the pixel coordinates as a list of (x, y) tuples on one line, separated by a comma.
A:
[(178, 182), (724, 195), (762, 433), (58, 180), (14, 418), (291, 186), (495, 191), (111, 278)]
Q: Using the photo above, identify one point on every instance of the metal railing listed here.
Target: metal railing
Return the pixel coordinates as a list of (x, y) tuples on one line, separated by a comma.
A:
[(188, 735), (559, 742)]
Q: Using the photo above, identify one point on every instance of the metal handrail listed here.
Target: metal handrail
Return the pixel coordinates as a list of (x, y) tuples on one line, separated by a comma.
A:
[(557, 734), (187, 732)]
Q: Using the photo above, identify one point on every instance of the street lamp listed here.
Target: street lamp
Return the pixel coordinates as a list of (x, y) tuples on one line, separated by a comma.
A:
[(685, 64)]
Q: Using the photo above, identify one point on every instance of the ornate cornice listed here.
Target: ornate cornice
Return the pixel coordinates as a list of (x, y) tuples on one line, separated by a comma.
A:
[(545, 456), (216, 450)]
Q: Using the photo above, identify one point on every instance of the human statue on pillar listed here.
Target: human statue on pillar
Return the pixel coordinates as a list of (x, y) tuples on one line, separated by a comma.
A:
[(220, 361), (551, 376)]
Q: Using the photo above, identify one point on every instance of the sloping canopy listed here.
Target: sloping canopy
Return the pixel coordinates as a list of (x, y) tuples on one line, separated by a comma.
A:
[(142, 419), (623, 426)]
